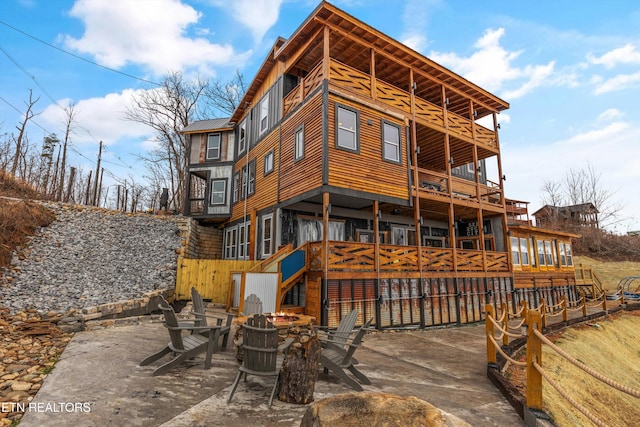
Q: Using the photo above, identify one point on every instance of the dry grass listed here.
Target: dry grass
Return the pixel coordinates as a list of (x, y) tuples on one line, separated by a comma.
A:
[(608, 347), (610, 272), (19, 219)]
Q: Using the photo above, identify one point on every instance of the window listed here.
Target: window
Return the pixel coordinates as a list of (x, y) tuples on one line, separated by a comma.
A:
[(524, 251), (218, 191), (390, 142), (266, 238), (347, 129), (515, 250), (554, 250), (298, 144), (243, 241), (547, 247), (242, 136), (310, 230), (251, 187), (213, 146), (236, 187), (268, 162), (230, 243), (470, 168), (567, 249), (264, 114), (533, 251), (245, 181), (540, 245), (563, 258)]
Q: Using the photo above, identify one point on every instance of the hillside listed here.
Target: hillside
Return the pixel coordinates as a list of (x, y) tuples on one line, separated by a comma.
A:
[(610, 272)]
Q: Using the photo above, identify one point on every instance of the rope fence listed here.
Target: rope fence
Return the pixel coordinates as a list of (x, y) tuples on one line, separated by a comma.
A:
[(530, 324)]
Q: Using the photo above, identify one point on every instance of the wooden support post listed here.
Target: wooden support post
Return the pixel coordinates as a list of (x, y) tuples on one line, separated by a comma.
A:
[(376, 235), (534, 354), (325, 233), (584, 306), (490, 330)]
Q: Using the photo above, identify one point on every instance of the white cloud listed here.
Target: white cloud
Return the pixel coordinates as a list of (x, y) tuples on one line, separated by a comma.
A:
[(415, 20), (538, 76), (619, 82), (257, 15), (118, 33), (611, 149), (98, 119), (610, 114), (622, 55)]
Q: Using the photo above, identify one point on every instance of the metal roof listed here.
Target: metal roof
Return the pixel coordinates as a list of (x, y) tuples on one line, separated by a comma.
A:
[(206, 125)]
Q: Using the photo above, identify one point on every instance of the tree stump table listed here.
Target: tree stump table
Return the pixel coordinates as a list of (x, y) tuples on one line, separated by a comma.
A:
[(300, 368)]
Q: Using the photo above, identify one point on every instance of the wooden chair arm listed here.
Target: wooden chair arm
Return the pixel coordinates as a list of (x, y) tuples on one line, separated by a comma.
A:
[(285, 345)]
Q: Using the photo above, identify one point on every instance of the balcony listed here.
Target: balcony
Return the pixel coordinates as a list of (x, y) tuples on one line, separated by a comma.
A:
[(438, 187)]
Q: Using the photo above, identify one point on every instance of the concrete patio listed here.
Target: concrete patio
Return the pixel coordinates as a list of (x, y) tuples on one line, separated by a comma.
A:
[(445, 367)]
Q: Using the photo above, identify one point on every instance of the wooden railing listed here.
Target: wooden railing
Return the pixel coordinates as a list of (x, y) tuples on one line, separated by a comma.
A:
[(306, 86), (354, 256), (436, 185)]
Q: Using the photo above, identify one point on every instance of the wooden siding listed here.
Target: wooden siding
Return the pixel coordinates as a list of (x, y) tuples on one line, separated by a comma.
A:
[(367, 171), (210, 277), (305, 174), (265, 186), (199, 147)]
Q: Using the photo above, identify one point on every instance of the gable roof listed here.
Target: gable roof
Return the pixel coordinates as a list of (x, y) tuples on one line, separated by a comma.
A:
[(207, 125), (356, 39)]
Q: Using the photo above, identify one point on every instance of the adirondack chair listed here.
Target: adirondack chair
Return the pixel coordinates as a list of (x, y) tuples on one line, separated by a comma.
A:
[(341, 334), (336, 359), (184, 347), (252, 305), (262, 354), (201, 317)]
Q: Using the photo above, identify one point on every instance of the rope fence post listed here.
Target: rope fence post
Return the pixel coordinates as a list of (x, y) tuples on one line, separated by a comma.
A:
[(543, 312), (565, 312), (492, 358), (534, 354), (584, 306)]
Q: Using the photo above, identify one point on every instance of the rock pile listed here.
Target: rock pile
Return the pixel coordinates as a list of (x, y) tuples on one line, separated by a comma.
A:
[(89, 257), (31, 344)]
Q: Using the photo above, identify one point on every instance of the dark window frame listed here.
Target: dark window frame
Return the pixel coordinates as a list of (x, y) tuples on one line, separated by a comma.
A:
[(271, 154), (339, 107), (296, 155), (384, 141), (224, 192), (209, 135)]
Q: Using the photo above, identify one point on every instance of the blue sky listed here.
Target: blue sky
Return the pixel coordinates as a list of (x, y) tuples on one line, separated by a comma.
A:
[(571, 71)]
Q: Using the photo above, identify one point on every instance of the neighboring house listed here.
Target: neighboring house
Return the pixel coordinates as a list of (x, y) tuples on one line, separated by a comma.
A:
[(517, 212), (211, 161), (369, 157), (582, 215)]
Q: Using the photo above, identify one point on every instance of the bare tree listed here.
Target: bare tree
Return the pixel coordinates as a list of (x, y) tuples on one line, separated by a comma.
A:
[(28, 115), (167, 110), (70, 116), (226, 96), (581, 186)]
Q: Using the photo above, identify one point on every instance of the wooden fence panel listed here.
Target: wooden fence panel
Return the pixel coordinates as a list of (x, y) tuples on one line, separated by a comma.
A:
[(210, 277)]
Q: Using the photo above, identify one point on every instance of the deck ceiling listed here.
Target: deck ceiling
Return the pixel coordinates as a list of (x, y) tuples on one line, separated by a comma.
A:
[(351, 42)]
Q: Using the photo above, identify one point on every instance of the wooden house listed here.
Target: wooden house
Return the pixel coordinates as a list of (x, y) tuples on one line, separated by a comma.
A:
[(580, 215), (361, 175)]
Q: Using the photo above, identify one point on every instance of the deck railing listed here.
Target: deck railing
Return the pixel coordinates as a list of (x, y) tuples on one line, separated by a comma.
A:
[(355, 256), (355, 81)]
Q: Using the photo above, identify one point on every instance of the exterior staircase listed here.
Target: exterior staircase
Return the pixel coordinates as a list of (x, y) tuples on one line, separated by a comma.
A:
[(272, 280)]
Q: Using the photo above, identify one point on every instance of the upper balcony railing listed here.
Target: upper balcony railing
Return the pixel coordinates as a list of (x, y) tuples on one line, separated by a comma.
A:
[(438, 186), (350, 79)]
